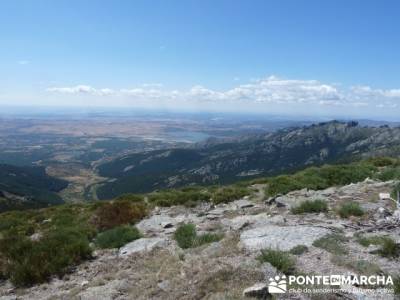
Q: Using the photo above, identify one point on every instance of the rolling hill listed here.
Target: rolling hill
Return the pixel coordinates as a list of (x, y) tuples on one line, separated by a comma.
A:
[(28, 187)]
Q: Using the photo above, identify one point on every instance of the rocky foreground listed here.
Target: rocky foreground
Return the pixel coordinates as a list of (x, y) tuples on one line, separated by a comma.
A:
[(155, 267)]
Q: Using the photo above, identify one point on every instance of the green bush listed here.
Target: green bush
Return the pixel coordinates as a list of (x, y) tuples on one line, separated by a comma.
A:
[(311, 206), (299, 250), (281, 260), (30, 262), (389, 248), (229, 193), (65, 242), (187, 237), (282, 185), (365, 267), (389, 173), (362, 267), (370, 240), (122, 212), (349, 209), (13, 219), (187, 197), (131, 197), (117, 237), (206, 238), (320, 178), (332, 243), (382, 161)]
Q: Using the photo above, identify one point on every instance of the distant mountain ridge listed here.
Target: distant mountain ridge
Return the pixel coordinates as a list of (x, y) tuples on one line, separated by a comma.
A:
[(220, 162), (28, 187)]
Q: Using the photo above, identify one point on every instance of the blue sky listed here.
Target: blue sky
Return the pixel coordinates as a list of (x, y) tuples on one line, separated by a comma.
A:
[(275, 56)]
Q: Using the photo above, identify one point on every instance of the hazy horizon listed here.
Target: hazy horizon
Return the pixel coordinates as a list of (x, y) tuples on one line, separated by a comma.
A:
[(33, 111)]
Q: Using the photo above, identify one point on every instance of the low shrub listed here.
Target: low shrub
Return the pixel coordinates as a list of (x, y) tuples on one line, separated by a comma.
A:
[(229, 193), (349, 209), (382, 161), (20, 222), (311, 206), (389, 248), (370, 240), (299, 250), (187, 237), (206, 238), (332, 243), (281, 260), (362, 267), (187, 197), (13, 219), (30, 262), (131, 197), (117, 237), (320, 178), (282, 185), (65, 235), (389, 173), (116, 213)]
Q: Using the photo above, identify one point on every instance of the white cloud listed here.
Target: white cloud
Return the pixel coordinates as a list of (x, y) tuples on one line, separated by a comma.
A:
[(23, 62), (381, 98), (144, 93), (82, 89), (269, 90)]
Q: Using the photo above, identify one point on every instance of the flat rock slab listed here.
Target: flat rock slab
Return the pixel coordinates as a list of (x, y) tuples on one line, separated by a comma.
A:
[(259, 220), (216, 213), (160, 224), (243, 203), (280, 237), (142, 245), (157, 223)]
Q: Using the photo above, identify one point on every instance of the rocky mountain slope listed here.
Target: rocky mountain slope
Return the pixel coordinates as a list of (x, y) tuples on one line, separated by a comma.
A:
[(220, 162), (28, 187), (156, 267)]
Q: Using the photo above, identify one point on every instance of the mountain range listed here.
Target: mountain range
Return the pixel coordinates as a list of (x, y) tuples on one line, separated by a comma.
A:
[(226, 161)]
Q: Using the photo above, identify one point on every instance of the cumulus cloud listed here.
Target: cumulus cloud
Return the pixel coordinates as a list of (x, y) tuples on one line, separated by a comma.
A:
[(82, 89), (380, 98), (368, 91), (269, 90), (142, 93)]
